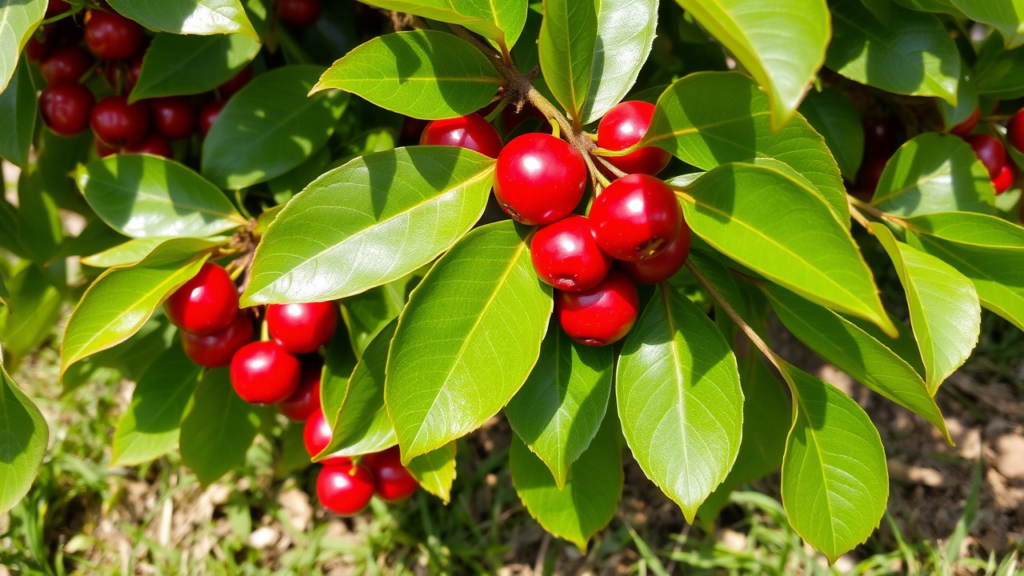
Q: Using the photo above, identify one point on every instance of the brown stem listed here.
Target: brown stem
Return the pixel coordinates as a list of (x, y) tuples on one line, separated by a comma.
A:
[(860, 218), (862, 205)]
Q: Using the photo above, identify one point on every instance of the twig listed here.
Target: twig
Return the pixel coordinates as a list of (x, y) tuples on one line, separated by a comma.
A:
[(860, 218)]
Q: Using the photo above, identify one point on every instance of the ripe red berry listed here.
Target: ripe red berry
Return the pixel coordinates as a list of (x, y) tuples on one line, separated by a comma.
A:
[(566, 256), (55, 7), (1015, 131), (472, 132), (663, 266), (393, 481), (317, 435), (300, 13), (306, 399), (882, 135), (173, 116), (869, 174), (217, 349), (65, 107), (118, 123), (990, 151), (134, 71), (964, 128), (511, 119), (636, 217), (102, 150), (302, 328), (111, 36), (155, 144), (1005, 178), (206, 303), (345, 489), (625, 125), (263, 373), (39, 44), (208, 115), (65, 63), (236, 83), (412, 128), (539, 179), (602, 315)]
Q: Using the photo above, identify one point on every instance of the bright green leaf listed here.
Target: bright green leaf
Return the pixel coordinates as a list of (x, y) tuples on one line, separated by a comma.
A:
[(188, 16), (180, 65), (367, 313), (40, 229), (566, 47), (498, 21), (138, 249), (18, 20), (1007, 16), (833, 116), (435, 471), (23, 438), (339, 364), (966, 100), (35, 303), (18, 111)]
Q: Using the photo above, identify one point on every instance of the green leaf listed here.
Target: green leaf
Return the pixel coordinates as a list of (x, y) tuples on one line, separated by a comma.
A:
[(5, 296), (287, 185), (270, 127), (180, 65), (856, 352), (566, 47), (998, 73), (293, 450), (25, 434), (1007, 16), (35, 302), (695, 123), (40, 229), (435, 471), (367, 313), (591, 495), (679, 399), (559, 409), (944, 307), (834, 478), (18, 110), (219, 429), (467, 339), (782, 48), (936, 6), (966, 100), (833, 116), (934, 173), (201, 17), (804, 247), (501, 22), (118, 303), (18, 20), (370, 222), (912, 54), (143, 196), (138, 249), (422, 73), (150, 427)]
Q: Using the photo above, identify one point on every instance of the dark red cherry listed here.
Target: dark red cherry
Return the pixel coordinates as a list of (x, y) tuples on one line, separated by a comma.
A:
[(317, 435), (883, 135), (263, 373), (111, 36), (602, 315), (1005, 178), (1015, 131), (539, 179), (218, 348), (55, 7), (206, 303), (664, 265), (344, 489), (869, 174), (39, 44), (625, 125), (118, 123), (306, 399), (393, 481), (566, 256), (227, 89), (208, 115), (155, 144), (964, 128), (990, 151), (636, 217), (412, 128), (65, 63), (472, 132), (302, 328), (65, 107), (173, 116), (102, 150), (299, 13)]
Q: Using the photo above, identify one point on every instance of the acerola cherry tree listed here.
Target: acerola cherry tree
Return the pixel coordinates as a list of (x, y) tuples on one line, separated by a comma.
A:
[(657, 216)]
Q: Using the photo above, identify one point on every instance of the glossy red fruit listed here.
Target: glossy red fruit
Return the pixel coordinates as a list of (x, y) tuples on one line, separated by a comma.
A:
[(625, 125), (118, 123), (155, 144), (65, 107), (39, 44), (566, 256), (102, 150), (317, 435), (602, 315), (55, 7), (173, 116), (882, 135), (134, 71), (664, 265), (208, 115), (218, 348), (111, 36), (412, 128), (206, 303), (636, 217), (393, 481), (263, 373), (1005, 178), (68, 63), (472, 132), (990, 151), (306, 399), (964, 128), (227, 89), (1015, 131), (345, 489), (539, 179), (300, 13), (302, 328), (511, 119)]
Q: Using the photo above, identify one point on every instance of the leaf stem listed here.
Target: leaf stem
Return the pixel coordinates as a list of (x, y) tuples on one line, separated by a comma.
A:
[(855, 202)]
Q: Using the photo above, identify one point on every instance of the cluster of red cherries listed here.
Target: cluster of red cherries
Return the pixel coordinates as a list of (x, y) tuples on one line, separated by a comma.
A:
[(285, 371), (635, 224)]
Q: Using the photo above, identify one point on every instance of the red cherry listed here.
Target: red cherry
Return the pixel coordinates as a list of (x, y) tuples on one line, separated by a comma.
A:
[(208, 115), (601, 315), (134, 71), (216, 349), (55, 7), (206, 303), (173, 116), (118, 123), (636, 217), (111, 36), (566, 256), (345, 489), (412, 128), (472, 132), (317, 435), (65, 63), (1015, 131), (306, 399), (663, 266), (236, 83), (625, 125), (300, 13), (882, 135), (65, 107), (302, 328), (869, 174), (511, 119), (263, 373), (39, 44), (393, 481), (990, 151), (1005, 178), (155, 144), (964, 128), (102, 150), (539, 179)]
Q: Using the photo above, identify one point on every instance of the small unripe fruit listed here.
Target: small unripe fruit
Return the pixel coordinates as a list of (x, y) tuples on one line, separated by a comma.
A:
[(344, 489), (302, 328), (111, 36), (118, 123), (393, 481), (566, 256), (174, 116), (299, 13), (964, 128), (263, 373), (602, 315), (663, 266), (539, 179), (155, 144), (472, 132), (317, 435), (65, 63), (218, 348), (306, 399), (206, 303), (636, 217), (208, 115), (990, 151), (66, 106), (625, 125)]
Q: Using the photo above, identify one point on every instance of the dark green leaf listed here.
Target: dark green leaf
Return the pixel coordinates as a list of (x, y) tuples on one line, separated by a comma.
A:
[(966, 100), (998, 73), (566, 48), (18, 111), (176, 65), (1007, 16), (835, 118), (35, 307), (40, 229), (188, 16), (24, 434), (367, 313)]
